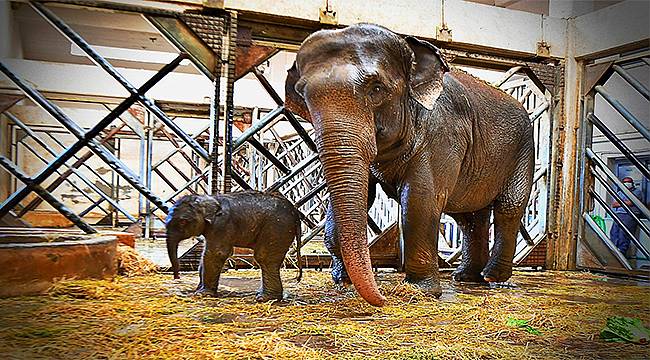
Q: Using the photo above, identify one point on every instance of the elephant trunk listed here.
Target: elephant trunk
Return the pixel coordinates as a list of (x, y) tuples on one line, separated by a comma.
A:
[(172, 251), (345, 152)]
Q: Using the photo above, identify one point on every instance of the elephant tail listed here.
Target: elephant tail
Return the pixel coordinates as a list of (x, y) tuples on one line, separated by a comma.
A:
[(298, 246)]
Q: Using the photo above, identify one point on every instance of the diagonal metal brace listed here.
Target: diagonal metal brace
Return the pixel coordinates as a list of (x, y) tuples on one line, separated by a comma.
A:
[(73, 170), (71, 35), (86, 139), (29, 182)]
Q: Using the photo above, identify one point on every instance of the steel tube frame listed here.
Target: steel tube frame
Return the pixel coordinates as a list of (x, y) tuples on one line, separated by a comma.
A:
[(278, 100), (619, 144), (300, 167), (59, 206), (259, 147), (624, 112), (80, 160), (86, 139), (592, 156), (71, 183), (89, 154), (636, 84), (614, 217), (258, 126), (75, 171), (614, 194), (183, 154), (175, 151), (73, 37)]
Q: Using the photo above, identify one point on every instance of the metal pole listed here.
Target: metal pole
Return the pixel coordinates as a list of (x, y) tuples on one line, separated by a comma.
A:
[(229, 56), (59, 206), (614, 194), (592, 156), (611, 213), (619, 144), (636, 84), (623, 111), (215, 110), (148, 226), (86, 139)]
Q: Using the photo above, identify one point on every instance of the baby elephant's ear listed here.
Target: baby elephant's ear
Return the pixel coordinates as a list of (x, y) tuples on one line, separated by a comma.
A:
[(292, 100), (427, 72)]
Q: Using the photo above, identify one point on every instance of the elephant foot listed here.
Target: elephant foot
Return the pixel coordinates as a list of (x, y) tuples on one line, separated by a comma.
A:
[(339, 274), (263, 296), (201, 292), (465, 275), (429, 285), (498, 272)]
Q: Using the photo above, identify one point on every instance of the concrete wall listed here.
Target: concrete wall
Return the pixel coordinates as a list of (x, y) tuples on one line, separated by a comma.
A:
[(470, 23)]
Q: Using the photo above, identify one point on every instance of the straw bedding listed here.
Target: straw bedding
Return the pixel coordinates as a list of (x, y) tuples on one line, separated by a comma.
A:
[(154, 316)]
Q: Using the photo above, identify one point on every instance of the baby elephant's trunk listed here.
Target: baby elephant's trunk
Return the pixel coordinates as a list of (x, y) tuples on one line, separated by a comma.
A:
[(298, 246)]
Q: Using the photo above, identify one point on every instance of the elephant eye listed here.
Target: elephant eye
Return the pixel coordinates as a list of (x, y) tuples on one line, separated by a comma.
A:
[(300, 88), (377, 93)]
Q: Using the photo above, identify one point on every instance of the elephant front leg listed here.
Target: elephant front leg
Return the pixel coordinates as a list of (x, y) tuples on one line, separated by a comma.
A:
[(476, 232), (212, 262), (420, 222), (331, 240)]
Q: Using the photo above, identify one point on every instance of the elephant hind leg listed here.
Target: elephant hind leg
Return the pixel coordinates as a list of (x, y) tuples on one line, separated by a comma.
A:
[(476, 232), (509, 207), (270, 259)]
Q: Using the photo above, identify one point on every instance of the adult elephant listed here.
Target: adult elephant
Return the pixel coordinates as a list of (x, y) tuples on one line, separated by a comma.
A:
[(439, 139)]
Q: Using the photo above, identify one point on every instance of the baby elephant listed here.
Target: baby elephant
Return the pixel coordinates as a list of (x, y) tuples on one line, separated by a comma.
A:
[(266, 223)]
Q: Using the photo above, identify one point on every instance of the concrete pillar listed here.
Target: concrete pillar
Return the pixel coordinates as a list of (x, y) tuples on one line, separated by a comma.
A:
[(10, 46), (564, 208)]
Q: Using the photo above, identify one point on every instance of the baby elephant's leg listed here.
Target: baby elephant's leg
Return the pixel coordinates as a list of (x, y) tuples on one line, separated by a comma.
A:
[(270, 261), (212, 261)]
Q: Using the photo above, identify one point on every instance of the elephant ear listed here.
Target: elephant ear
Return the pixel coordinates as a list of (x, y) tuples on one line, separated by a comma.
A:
[(427, 71), (292, 100)]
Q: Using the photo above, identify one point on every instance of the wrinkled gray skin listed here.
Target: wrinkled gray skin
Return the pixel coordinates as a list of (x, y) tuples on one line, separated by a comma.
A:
[(266, 223), (437, 140)]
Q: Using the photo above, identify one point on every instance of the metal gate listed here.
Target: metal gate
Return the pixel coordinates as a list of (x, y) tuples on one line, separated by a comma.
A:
[(615, 232)]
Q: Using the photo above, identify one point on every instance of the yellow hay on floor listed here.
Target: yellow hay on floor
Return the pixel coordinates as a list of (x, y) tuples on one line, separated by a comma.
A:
[(155, 317), (131, 263)]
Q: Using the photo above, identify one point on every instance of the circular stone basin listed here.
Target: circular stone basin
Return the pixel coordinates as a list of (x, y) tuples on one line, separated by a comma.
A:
[(31, 262)]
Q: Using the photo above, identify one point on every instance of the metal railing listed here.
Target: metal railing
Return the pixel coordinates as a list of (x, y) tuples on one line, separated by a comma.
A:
[(601, 186)]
